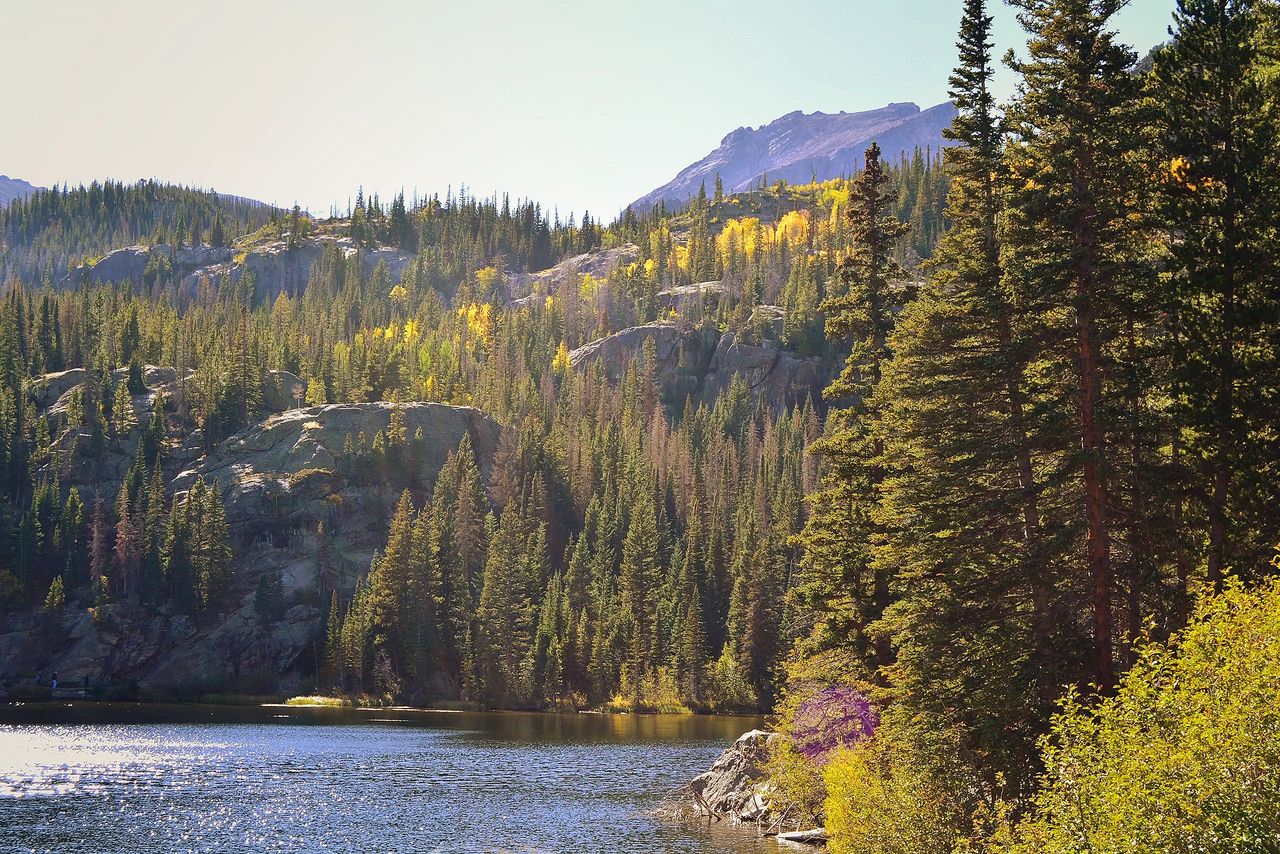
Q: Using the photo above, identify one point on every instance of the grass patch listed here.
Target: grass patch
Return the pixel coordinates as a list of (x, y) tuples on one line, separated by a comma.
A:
[(334, 702)]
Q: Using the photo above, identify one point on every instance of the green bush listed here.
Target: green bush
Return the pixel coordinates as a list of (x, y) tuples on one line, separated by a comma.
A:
[(892, 796), (798, 789), (1186, 756)]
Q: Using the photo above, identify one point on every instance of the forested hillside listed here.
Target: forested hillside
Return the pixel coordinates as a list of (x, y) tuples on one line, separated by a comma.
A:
[(47, 232), (602, 510)]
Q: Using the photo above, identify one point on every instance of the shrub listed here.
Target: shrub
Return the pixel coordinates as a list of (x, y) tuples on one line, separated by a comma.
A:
[(884, 795), (834, 717), (656, 693), (798, 791), (825, 705), (1185, 756), (303, 477)]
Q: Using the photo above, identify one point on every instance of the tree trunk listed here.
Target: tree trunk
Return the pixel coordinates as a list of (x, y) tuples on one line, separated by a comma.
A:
[(1223, 403), (1098, 549)]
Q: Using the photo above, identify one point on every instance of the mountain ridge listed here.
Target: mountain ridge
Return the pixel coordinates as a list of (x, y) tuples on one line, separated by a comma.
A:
[(12, 189), (798, 147)]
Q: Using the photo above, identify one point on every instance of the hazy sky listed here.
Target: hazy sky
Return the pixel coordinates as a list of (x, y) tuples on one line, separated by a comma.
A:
[(576, 104)]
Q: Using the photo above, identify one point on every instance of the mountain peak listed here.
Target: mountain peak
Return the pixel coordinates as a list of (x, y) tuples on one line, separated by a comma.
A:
[(800, 146)]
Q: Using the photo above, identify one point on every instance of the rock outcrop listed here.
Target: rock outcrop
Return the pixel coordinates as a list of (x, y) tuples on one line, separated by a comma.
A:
[(598, 263), (681, 298), (279, 479), (282, 391), (282, 476), (735, 786), (275, 266), (702, 362)]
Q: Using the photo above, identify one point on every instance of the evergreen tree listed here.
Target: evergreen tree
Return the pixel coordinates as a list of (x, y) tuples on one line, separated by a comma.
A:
[(978, 656), (842, 586), (1071, 246), (1221, 148)]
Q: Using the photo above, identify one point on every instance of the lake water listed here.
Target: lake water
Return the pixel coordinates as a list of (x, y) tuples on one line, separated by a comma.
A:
[(108, 778)]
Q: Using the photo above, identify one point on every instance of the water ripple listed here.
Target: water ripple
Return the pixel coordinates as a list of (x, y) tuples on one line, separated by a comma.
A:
[(341, 782)]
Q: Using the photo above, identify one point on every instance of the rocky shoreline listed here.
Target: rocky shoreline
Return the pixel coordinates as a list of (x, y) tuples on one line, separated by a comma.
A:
[(736, 788)]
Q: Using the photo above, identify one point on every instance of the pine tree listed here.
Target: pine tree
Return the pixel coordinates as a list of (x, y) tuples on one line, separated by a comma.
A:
[(637, 580), (1222, 150), (841, 585), (56, 597), (504, 617), (99, 550), (977, 652), (1071, 243), (393, 582), (331, 663)]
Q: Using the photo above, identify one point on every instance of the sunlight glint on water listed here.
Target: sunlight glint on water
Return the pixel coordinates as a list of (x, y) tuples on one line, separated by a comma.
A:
[(246, 780)]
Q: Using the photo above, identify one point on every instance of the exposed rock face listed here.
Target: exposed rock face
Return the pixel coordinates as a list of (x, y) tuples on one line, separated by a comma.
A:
[(279, 479), (704, 362), (598, 263), (282, 390), (735, 785), (681, 353), (275, 267), (683, 297), (771, 372), (801, 146)]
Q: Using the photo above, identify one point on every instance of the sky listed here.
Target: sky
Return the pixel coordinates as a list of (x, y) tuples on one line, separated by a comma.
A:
[(579, 105)]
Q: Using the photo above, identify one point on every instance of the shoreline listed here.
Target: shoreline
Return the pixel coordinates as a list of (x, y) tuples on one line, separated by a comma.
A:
[(272, 703)]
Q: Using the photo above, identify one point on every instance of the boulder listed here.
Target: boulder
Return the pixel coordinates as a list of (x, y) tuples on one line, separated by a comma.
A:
[(735, 785), (282, 391)]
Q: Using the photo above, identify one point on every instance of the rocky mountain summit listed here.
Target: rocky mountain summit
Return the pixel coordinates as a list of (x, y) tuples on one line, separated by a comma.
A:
[(800, 147)]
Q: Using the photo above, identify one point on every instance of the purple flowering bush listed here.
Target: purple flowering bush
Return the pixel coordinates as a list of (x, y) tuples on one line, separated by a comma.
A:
[(835, 717), (815, 723)]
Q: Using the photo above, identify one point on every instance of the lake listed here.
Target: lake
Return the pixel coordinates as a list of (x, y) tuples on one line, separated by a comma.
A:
[(132, 777)]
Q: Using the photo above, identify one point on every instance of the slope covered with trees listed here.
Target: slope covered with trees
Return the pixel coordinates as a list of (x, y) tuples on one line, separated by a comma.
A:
[(50, 231), (631, 538)]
